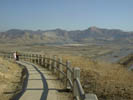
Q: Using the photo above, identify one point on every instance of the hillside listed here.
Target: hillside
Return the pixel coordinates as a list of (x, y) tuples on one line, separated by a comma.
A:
[(108, 81), (127, 61), (10, 79), (59, 36)]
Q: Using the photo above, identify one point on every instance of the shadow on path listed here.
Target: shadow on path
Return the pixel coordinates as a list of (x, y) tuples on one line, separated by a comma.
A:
[(45, 85), (24, 89), (17, 97)]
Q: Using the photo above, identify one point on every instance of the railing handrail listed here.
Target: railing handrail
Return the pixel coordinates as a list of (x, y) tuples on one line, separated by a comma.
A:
[(72, 75), (80, 89)]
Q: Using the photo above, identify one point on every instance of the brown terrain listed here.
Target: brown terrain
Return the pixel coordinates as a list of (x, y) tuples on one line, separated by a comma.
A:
[(10, 79), (108, 81)]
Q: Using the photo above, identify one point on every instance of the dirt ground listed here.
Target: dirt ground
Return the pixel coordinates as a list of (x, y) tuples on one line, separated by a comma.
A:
[(10, 79)]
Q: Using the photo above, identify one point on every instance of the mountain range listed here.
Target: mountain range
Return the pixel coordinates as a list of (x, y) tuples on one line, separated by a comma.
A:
[(60, 36)]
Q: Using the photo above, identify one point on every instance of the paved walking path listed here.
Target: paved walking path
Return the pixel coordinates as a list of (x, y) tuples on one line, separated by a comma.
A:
[(42, 85)]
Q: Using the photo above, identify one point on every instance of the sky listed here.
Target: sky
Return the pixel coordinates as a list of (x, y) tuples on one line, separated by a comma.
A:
[(66, 14)]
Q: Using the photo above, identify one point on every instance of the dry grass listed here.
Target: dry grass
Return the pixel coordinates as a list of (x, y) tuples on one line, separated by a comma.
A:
[(7, 69), (9, 77), (108, 81)]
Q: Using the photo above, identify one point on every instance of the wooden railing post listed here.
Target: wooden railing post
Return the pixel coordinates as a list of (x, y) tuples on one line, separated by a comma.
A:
[(33, 58), (27, 57), (60, 68), (50, 63), (45, 61), (36, 58), (48, 60), (21, 57), (54, 64), (76, 74), (24, 56), (68, 74), (40, 60), (30, 57)]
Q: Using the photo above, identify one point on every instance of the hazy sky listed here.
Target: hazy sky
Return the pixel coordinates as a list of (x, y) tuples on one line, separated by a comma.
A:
[(66, 14)]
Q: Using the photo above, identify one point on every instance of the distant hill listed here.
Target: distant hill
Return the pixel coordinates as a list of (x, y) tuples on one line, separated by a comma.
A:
[(59, 36)]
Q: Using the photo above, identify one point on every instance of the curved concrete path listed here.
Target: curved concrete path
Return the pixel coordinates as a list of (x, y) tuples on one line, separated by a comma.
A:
[(42, 85)]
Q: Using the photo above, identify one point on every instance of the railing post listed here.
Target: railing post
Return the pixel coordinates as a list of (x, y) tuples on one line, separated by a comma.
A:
[(76, 74), (54, 64), (30, 57), (24, 57), (36, 58), (50, 63), (45, 61), (40, 60), (33, 58), (68, 74), (60, 68), (20, 57), (27, 57)]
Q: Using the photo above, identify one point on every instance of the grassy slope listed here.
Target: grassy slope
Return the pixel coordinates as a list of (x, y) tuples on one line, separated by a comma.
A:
[(108, 81), (127, 61), (10, 74)]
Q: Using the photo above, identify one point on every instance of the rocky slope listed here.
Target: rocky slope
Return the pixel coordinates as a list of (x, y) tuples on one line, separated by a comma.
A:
[(59, 36)]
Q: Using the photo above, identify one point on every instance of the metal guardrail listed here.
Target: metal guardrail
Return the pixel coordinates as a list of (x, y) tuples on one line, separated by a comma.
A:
[(64, 71)]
